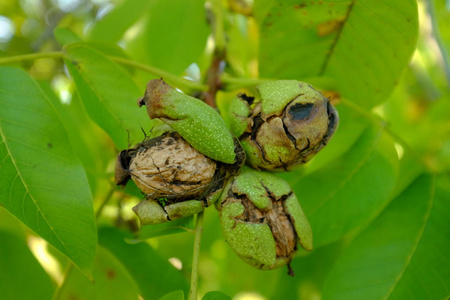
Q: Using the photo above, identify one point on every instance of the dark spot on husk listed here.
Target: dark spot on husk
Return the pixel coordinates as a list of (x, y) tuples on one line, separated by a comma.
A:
[(300, 111), (249, 99)]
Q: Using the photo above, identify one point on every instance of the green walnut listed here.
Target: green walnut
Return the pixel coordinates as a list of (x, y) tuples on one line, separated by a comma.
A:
[(286, 127), (179, 172), (197, 122), (262, 220)]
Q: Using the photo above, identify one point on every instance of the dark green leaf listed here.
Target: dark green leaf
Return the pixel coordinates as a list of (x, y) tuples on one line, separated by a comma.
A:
[(21, 276), (351, 191), (43, 183), (310, 273), (176, 226), (110, 281), (216, 296), (172, 36), (364, 45), (402, 255), (154, 276), (108, 94), (177, 295)]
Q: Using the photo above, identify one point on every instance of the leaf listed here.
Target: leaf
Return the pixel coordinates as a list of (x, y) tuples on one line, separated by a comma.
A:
[(115, 23), (310, 272), (371, 42), (154, 276), (82, 133), (172, 35), (402, 255), (216, 296), (111, 281), (108, 94), (176, 295), (172, 227), (21, 275), (43, 183), (65, 36), (351, 191)]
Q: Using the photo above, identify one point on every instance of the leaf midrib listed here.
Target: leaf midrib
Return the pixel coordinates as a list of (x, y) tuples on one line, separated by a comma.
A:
[(416, 242), (336, 40), (27, 191)]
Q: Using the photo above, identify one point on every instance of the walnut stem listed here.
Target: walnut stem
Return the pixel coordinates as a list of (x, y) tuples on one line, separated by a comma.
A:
[(197, 240)]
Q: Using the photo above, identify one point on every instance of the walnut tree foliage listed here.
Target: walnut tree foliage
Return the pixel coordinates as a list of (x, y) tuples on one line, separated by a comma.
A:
[(377, 196)]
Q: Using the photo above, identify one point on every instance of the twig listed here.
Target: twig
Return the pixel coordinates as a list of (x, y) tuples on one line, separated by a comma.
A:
[(197, 240)]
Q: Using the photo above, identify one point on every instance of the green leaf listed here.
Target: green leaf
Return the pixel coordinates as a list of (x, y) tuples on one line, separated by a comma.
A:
[(65, 36), (154, 275), (310, 273), (83, 135), (110, 281), (176, 295), (351, 191), (21, 275), (402, 255), (370, 42), (108, 94), (114, 24), (43, 183), (172, 36), (172, 227), (216, 296)]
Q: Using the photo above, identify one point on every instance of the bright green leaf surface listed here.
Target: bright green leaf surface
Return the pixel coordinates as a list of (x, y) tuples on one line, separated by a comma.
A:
[(43, 183), (216, 296), (144, 264), (172, 35), (402, 255), (21, 275), (350, 191), (65, 36), (363, 44), (113, 25), (108, 94), (426, 274), (110, 281)]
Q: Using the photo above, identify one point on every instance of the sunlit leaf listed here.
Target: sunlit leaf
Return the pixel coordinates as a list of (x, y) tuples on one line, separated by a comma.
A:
[(108, 94), (364, 45), (172, 35), (154, 276), (21, 275), (43, 183), (65, 36), (216, 296), (352, 190), (110, 281), (402, 255), (115, 23)]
